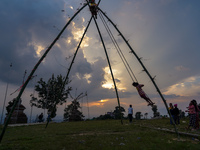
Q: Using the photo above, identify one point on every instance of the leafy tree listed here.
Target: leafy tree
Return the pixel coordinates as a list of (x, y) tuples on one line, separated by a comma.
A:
[(104, 117), (155, 113), (72, 113), (138, 115), (145, 115), (50, 94), (119, 112)]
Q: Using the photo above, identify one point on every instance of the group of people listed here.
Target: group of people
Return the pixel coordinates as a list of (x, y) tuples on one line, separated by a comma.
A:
[(175, 113), (193, 112)]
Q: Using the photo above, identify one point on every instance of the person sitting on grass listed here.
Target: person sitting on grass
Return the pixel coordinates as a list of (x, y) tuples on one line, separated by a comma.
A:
[(142, 93)]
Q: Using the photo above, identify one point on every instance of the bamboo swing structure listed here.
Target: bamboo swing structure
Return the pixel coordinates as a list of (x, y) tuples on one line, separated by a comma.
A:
[(102, 15)]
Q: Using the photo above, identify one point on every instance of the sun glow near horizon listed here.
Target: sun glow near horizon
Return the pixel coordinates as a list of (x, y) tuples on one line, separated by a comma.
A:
[(99, 103)]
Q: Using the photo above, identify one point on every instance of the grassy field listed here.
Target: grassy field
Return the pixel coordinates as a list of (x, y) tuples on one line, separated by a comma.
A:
[(99, 135)]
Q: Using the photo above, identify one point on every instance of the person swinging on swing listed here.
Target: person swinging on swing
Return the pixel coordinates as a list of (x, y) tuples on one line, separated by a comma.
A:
[(142, 93), (93, 8)]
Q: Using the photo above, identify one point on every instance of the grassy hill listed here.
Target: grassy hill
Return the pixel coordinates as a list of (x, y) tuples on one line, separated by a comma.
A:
[(100, 135)]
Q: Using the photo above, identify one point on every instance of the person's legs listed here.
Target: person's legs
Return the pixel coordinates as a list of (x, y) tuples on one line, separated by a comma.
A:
[(178, 119), (175, 119), (197, 120), (130, 118), (171, 121), (194, 121), (147, 99)]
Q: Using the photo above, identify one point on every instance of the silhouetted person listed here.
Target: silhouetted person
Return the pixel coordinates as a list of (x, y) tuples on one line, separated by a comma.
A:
[(130, 113), (142, 93)]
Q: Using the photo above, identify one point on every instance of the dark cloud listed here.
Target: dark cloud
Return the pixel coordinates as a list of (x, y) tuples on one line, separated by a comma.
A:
[(24, 24)]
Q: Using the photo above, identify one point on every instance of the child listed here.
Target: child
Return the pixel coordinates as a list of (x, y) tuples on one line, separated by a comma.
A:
[(192, 114), (142, 93)]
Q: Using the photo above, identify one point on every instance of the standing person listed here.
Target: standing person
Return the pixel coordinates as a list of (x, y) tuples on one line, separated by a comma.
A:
[(142, 93), (197, 113), (176, 114), (130, 113), (192, 115), (171, 109)]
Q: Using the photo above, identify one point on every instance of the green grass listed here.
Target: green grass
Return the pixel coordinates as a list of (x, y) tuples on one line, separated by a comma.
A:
[(97, 135)]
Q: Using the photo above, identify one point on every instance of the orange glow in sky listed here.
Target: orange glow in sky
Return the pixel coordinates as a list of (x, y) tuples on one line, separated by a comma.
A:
[(98, 103)]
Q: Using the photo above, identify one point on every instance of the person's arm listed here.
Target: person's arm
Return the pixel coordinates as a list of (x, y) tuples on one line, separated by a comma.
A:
[(141, 85)]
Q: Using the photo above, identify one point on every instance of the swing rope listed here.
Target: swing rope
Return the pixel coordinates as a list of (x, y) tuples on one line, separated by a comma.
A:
[(119, 51), (127, 66)]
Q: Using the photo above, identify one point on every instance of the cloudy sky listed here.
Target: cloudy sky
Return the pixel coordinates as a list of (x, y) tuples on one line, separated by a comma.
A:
[(164, 34)]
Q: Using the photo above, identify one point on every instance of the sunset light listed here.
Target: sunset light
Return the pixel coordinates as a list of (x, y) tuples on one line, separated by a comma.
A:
[(71, 7), (108, 85), (38, 48), (78, 33), (99, 103)]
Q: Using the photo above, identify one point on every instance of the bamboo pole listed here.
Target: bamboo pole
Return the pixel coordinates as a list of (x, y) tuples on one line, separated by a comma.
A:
[(110, 68)]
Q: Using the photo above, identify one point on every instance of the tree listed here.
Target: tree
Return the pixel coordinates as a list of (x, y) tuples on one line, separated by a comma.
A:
[(72, 113), (118, 113), (155, 113), (145, 115), (138, 115), (50, 94), (105, 117)]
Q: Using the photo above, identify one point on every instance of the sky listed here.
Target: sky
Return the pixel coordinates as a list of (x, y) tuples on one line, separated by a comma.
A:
[(163, 33)]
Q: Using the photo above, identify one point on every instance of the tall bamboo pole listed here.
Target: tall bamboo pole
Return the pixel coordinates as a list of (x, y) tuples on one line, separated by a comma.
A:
[(109, 67)]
